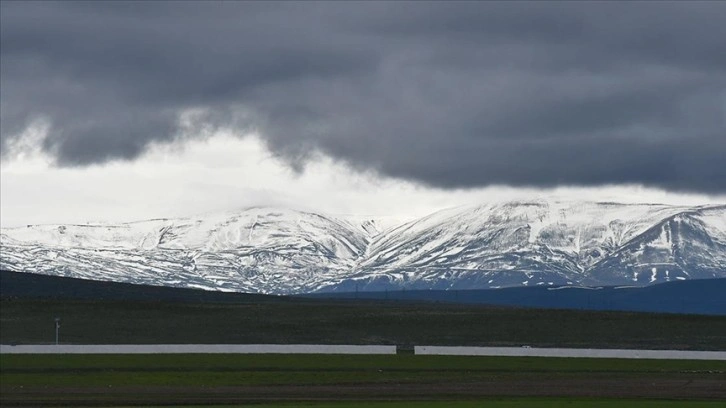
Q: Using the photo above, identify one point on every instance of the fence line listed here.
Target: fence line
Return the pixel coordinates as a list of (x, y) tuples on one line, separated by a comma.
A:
[(357, 349), (569, 352), (195, 348)]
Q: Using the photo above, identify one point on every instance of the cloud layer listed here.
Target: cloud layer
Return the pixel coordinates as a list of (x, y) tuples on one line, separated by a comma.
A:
[(448, 94)]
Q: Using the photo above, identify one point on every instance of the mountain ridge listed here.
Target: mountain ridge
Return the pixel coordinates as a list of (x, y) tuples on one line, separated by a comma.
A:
[(283, 251)]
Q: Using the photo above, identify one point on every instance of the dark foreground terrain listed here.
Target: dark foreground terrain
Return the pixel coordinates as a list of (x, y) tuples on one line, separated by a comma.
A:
[(31, 321), (112, 313), (147, 380)]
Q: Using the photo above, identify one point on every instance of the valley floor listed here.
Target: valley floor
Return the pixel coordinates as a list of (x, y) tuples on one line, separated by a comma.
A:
[(305, 321), (111, 380), (118, 380), (308, 321)]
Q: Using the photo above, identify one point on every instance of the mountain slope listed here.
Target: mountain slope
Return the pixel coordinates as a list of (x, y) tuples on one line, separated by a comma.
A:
[(683, 246), (510, 244), (270, 250), (258, 249)]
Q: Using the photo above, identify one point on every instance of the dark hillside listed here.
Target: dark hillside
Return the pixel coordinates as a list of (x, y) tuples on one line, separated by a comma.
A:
[(707, 296), (35, 286)]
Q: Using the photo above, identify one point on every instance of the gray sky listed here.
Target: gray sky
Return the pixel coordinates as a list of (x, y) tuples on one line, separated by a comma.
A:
[(442, 95)]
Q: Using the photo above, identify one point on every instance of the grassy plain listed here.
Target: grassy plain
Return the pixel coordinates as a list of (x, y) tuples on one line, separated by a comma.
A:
[(148, 380), (346, 380), (305, 321)]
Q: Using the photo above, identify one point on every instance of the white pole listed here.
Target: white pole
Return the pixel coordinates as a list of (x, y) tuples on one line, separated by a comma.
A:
[(57, 326)]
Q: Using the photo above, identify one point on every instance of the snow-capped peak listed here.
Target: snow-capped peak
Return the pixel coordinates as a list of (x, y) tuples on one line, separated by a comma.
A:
[(279, 250)]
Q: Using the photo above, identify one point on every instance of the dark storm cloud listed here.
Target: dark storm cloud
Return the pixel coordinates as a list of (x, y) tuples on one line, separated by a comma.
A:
[(449, 94)]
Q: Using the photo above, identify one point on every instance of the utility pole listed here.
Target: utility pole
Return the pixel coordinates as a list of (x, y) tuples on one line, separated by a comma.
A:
[(57, 327)]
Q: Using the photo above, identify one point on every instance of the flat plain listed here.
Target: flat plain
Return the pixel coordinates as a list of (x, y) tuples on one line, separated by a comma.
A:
[(402, 380), (307, 321), (149, 380)]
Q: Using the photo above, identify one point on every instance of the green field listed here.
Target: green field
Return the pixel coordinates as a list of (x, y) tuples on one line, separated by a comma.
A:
[(118, 380), (350, 322), (235, 369)]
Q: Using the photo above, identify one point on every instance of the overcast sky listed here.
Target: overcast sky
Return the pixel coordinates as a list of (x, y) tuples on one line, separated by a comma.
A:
[(115, 111)]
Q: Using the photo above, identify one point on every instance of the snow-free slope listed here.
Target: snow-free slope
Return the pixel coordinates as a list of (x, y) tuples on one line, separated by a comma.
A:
[(272, 250)]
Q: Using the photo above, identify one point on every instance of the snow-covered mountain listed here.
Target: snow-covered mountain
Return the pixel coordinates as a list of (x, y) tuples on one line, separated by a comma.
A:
[(272, 250)]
